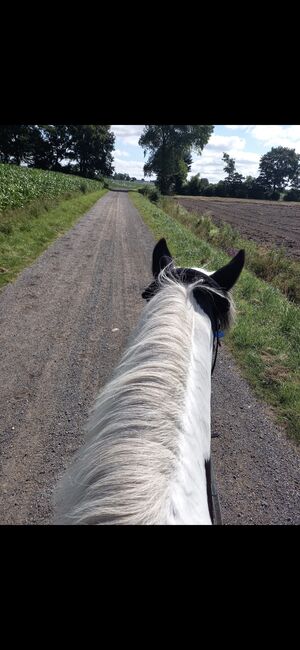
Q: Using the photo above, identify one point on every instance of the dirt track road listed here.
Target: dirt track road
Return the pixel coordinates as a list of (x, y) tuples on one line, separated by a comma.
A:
[(57, 347)]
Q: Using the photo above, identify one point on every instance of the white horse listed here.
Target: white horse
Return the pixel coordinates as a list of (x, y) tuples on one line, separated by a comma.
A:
[(146, 459)]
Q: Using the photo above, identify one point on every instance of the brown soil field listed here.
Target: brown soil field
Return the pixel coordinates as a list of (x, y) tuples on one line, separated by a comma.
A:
[(268, 223)]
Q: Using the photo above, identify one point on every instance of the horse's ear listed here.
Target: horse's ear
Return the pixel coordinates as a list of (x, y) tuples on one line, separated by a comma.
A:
[(227, 276), (161, 257)]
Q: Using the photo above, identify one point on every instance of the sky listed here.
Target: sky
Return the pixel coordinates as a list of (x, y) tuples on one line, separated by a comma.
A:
[(246, 144)]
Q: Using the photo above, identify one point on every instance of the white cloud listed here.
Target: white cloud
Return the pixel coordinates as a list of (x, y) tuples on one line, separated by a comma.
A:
[(224, 142), (121, 153), (210, 165), (234, 127), (277, 136), (128, 133)]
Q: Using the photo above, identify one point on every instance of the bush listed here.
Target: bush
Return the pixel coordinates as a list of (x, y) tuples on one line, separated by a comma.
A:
[(274, 196), (143, 190), (292, 195), (209, 190), (152, 193), (193, 186)]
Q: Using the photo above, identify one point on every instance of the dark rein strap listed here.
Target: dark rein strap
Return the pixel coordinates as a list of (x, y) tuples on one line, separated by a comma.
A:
[(217, 344), (212, 494)]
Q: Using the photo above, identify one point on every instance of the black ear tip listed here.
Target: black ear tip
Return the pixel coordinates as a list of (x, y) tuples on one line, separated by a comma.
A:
[(239, 258)]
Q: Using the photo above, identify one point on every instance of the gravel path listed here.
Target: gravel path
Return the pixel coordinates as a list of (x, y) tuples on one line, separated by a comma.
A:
[(257, 469), (63, 325)]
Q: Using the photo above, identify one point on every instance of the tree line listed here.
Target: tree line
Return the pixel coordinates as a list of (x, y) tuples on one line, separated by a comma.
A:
[(123, 177), (279, 177), (170, 148), (85, 150)]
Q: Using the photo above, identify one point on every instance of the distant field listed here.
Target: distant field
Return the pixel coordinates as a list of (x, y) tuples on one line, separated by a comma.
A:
[(126, 185), (268, 223), (20, 185)]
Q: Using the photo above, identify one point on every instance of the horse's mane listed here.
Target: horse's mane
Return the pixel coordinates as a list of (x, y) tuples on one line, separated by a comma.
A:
[(123, 472)]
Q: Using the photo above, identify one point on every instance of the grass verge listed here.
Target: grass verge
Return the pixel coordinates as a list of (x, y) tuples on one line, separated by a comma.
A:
[(266, 338), (26, 232)]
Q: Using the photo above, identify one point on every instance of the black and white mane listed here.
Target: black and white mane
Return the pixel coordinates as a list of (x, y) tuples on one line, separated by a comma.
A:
[(148, 437)]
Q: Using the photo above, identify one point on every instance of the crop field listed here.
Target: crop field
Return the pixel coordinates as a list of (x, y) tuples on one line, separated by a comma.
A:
[(268, 223), (20, 185)]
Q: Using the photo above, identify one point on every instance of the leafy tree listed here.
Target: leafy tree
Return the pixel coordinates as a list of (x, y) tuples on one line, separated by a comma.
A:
[(121, 177), (234, 180), (292, 195), (221, 189), (229, 167), (196, 185), (278, 168), (58, 139), (295, 182), (253, 189), (170, 148), (15, 142), (179, 178), (48, 147), (91, 146), (88, 147)]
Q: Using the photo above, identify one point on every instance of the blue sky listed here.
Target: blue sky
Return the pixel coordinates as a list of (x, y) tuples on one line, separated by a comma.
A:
[(245, 143)]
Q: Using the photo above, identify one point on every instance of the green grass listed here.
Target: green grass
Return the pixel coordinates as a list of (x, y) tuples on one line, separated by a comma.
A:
[(269, 264), (20, 185), (25, 233), (266, 337)]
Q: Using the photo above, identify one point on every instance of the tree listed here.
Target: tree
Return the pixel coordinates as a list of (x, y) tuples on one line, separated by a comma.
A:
[(196, 185), (15, 142), (229, 168), (234, 181), (178, 180), (170, 147), (122, 177), (278, 168), (253, 189), (48, 146), (91, 146)]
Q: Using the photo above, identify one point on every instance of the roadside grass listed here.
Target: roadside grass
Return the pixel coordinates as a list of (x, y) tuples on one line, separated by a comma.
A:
[(26, 232), (266, 337), (269, 264)]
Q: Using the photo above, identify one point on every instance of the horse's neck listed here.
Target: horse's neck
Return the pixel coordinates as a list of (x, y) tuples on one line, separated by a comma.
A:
[(188, 493)]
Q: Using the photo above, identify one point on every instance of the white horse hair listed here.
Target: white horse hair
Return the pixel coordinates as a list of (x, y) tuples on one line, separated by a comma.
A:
[(148, 435)]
